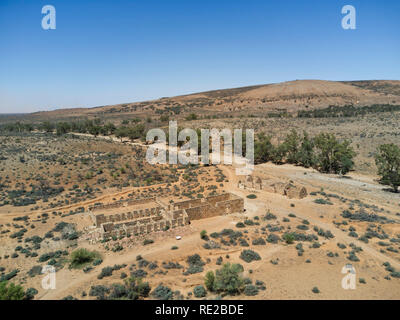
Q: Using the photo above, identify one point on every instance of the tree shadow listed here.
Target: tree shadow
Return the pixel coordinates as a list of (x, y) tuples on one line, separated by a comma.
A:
[(390, 190)]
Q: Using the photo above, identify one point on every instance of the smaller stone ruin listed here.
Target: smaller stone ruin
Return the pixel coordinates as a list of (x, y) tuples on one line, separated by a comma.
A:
[(290, 190)]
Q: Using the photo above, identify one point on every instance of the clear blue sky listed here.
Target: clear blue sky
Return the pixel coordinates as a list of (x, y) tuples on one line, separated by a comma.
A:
[(108, 52)]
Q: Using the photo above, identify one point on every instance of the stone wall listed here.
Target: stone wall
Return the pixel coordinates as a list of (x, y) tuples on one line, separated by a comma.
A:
[(146, 226), (133, 202), (120, 204), (201, 212), (287, 189), (187, 204), (216, 206), (231, 206), (212, 200), (114, 205), (136, 214), (295, 192)]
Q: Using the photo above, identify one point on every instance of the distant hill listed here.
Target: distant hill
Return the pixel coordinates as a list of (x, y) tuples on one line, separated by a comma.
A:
[(278, 97)]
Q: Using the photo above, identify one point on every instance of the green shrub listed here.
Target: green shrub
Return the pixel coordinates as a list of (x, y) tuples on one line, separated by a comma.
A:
[(199, 292), (352, 257), (240, 225), (315, 290), (105, 272), (269, 216), (353, 234), (162, 293), (35, 270), (341, 246), (395, 274), (209, 280), (273, 238), (322, 201), (30, 293), (81, 257), (227, 280), (8, 276), (288, 238), (148, 241), (193, 269), (195, 260), (258, 242), (250, 290), (97, 262), (302, 227), (249, 256), (11, 291), (315, 245), (99, 291), (140, 273)]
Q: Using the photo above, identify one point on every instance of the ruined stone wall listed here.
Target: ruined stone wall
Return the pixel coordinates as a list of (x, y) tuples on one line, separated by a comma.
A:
[(230, 206), (178, 213), (141, 222), (201, 212), (162, 203), (106, 206), (217, 206), (93, 217), (187, 204), (140, 201), (120, 204), (253, 182), (212, 200), (131, 215), (279, 187), (287, 189), (296, 192), (142, 227)]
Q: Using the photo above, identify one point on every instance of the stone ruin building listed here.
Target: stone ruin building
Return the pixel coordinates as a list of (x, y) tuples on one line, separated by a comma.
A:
[(144, 216), (287, 189)]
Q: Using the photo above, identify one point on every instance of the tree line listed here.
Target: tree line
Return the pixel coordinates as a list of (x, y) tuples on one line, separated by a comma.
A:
[(327, 154), (347, 111), (95, 127), (324, 152)]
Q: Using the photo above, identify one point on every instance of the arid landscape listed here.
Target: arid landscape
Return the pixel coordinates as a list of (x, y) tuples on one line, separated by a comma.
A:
[(168, 231)]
